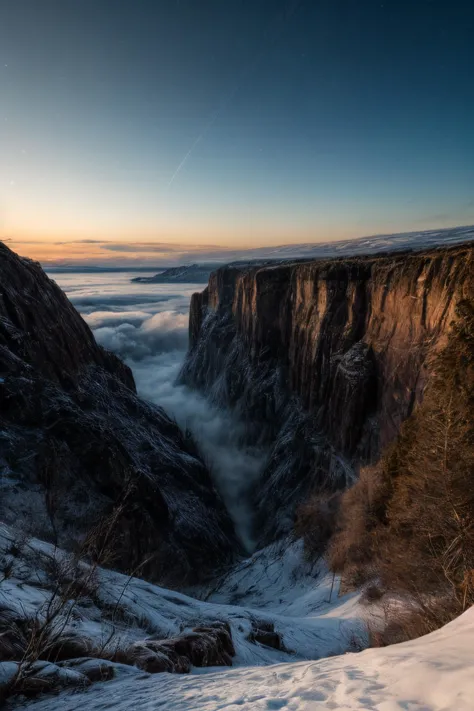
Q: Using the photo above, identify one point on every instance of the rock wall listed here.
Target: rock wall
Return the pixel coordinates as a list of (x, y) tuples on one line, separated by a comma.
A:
[(323, 360), (78, 445)]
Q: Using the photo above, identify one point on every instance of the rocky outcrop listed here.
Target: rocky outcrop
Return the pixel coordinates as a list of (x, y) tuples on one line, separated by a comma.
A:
[(190, 274), (204, 646), (323, 359), (78, 445)]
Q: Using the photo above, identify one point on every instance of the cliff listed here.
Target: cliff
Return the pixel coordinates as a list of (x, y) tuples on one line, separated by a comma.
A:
[(77, 445), (324, 360)]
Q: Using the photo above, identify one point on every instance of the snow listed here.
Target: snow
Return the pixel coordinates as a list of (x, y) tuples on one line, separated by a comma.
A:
[(434, 673), (276, 585), (8, 671), (309, 625), (363, 246)]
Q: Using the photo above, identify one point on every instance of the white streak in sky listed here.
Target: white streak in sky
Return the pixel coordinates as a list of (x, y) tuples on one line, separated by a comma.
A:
[(275, 30), (199, 138)]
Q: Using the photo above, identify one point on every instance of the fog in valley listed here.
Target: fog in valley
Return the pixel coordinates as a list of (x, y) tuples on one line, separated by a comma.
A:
[(147, 326)]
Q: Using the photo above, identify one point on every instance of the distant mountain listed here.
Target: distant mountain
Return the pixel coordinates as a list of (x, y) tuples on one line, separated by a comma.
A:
[(190, 274)]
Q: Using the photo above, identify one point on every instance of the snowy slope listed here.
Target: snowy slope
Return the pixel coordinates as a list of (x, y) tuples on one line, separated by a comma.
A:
[(434, 673), (308, 629), (275, 586)]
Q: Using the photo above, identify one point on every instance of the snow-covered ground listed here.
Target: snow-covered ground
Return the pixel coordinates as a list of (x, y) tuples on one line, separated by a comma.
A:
[(434, 673), (277, 586), (310, 626)]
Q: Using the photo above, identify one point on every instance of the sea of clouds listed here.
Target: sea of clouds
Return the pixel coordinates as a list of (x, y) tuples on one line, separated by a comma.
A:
[(147, 326)]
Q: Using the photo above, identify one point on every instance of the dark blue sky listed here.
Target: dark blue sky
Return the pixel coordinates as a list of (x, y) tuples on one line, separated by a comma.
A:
[(234, 121)]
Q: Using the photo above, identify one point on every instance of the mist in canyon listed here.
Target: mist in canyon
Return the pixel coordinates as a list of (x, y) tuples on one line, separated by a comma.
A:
[(147, 326)]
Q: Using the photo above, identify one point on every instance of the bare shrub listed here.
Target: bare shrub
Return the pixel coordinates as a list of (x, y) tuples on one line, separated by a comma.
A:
[(407, 619), (316, 522), (46, 636), (361, 508)]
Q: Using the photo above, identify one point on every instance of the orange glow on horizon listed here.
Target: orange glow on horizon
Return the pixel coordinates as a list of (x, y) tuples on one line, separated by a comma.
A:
[(53, 250)]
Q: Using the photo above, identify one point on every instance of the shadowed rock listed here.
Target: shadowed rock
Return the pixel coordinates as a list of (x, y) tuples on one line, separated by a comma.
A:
[(204, 646), (76, 443), (264, 633)]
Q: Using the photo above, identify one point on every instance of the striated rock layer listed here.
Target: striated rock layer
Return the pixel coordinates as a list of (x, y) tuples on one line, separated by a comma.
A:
[(78, 445), (323, 360)]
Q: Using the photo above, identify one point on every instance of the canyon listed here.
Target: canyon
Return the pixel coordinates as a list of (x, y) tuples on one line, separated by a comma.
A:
[(319, 365), (319, 361)]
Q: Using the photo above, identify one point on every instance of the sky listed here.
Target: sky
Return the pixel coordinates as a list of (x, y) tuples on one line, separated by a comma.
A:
[(135, 129)]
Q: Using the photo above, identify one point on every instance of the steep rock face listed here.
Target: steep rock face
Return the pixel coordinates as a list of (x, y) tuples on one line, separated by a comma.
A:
[(78, 445), (41, 327), (323, 359)]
